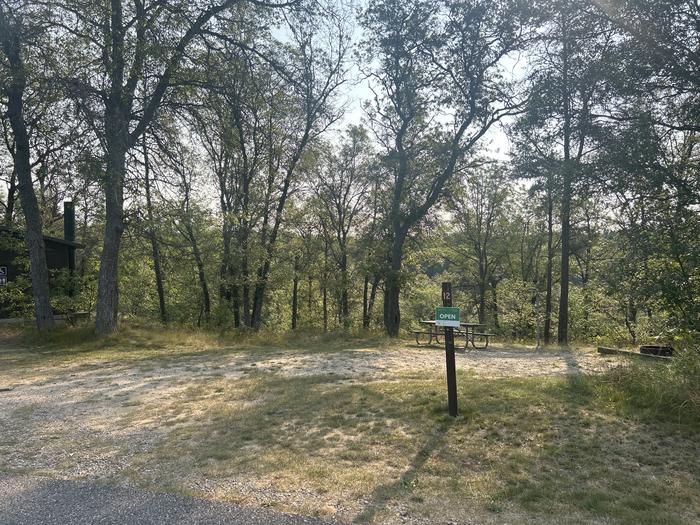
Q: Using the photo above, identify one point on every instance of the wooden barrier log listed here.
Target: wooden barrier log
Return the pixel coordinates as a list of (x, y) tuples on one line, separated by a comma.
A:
[(617, 351)]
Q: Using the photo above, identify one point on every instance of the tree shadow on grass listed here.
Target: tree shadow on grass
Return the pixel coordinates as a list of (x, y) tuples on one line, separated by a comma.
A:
[(381, 495)]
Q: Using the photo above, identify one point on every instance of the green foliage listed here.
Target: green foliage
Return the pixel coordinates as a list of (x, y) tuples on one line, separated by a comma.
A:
[(239, 155), (658, 391), (15, 296), (420, 298), (518, 313)]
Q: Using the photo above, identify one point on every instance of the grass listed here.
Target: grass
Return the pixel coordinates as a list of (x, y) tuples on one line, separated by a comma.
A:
[(662, 391), (534, 447), (575, 449), (151, 344)]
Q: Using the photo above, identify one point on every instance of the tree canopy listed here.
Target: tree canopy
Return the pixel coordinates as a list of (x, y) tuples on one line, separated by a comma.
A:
[(248, 164)]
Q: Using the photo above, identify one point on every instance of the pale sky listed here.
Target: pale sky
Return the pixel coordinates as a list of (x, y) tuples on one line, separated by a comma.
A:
[(495, 141)]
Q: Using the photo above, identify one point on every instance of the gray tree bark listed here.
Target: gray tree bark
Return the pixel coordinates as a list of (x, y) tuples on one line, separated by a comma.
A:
[(155, 250), (550, 261), (14, 90)]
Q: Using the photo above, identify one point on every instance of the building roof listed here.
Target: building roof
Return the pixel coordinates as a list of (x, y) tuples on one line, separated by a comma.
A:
[(47, 238)]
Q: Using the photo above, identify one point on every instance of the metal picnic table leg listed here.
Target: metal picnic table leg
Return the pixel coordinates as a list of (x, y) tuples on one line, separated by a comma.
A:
[(486, 341)]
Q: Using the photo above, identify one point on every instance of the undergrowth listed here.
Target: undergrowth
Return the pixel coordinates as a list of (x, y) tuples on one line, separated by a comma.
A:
[(668, 391)]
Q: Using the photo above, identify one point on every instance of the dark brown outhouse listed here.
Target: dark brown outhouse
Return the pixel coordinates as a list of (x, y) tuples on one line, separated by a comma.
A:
[(60, 253)]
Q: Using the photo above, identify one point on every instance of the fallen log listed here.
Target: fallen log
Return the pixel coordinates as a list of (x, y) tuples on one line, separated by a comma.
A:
[(657, 350), (607, 350)]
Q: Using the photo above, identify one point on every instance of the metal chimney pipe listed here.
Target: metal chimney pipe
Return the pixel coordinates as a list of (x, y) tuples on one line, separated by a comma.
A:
[(69, 221)]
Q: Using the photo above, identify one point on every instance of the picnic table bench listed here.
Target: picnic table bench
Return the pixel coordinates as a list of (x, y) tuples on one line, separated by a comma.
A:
[(466, 330)]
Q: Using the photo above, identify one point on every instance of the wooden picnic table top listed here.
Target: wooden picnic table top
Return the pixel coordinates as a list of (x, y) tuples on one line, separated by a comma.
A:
[(468, 325)]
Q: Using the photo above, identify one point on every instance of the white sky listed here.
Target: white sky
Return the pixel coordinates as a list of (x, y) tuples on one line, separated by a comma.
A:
[(495, 142)]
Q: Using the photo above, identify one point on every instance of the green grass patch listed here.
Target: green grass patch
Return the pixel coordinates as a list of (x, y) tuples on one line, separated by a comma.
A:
[(154, 346), (664, 391)]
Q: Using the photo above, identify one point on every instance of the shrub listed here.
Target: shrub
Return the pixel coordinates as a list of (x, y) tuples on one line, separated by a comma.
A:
[(668, 391)]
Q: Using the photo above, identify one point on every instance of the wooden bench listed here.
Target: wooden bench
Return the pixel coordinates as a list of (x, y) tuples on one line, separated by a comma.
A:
[(469, 337), (463, 333), (432, 335)]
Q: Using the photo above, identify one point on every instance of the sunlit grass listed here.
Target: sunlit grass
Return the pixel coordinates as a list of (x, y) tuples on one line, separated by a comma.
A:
[(139, 341), (529, 447)]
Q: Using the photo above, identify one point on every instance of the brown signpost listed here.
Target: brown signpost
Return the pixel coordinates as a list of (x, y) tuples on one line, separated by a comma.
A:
[(450, 355)]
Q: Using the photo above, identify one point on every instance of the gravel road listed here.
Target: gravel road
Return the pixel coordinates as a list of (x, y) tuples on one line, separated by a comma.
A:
[(37, 501)]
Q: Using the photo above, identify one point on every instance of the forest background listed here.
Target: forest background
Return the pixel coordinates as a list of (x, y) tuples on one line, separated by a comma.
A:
[(324, 166)]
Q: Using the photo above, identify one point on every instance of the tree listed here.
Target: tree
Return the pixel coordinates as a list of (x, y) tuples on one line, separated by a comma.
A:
[(568, 85), (654, 181), (15, 35), (480, 212), (657, 52), (128, 39), (271, 113), (341, 188), (151, 231), (437, 91)]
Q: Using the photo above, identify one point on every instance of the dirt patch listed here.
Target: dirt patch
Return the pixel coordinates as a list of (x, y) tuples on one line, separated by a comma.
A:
[(499, 361)]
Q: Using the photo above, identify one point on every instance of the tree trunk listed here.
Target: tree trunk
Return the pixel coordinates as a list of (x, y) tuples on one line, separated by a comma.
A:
[(33, 228), (236, 305), (631, 320), (201, 276), (256, 311), (325, 287), (344, 302), (563, 328), (310, 294), (370, 303), (392, 287), (365, 298), (229, 289), (392, 313), (372, 298), (11, 195), (550, 263), (295, 288), (494, 298), (245, 274), (116, 129), (155, 250), (325, 308), (482, 291), (246, 302)]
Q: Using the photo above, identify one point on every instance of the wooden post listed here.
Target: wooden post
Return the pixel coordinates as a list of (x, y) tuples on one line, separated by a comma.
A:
[(450, 355)]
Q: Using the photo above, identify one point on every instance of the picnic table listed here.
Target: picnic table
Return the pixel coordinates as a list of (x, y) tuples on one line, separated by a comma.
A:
[(466, 330)]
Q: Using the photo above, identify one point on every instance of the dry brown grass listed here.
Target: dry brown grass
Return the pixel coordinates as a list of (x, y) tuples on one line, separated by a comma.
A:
[(261, 425)]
